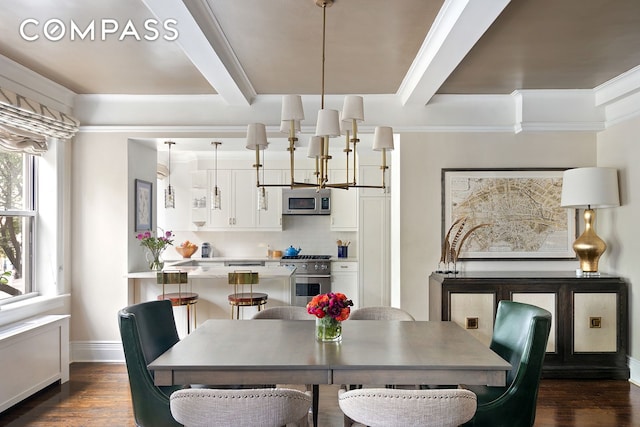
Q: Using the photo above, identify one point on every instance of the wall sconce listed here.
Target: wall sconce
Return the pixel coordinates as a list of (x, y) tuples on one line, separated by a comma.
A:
[(590, 188)]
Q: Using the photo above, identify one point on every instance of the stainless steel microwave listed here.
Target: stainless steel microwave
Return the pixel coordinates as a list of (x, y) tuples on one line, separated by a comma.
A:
[(306, 201)]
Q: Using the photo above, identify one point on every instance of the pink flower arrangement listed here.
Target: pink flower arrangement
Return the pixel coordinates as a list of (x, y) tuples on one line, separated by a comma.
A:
[(335, 305), (155, 244)]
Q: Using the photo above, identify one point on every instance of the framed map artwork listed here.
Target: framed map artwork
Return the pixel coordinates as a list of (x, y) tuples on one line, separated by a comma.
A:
[(511, 213), (143, 205)]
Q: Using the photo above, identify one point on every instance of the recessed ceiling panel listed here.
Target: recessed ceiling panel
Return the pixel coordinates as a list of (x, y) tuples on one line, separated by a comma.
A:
[(370, 44), (88, 64), (551, 44)]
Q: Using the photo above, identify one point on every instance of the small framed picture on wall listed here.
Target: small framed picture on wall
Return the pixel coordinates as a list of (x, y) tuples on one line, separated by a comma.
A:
[(143, 205)]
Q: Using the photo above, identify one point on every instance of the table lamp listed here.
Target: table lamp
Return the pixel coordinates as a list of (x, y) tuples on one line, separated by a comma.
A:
[(589, 188)]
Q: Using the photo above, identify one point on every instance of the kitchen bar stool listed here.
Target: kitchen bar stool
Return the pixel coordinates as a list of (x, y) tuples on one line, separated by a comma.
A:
[(239, 279), (180, 298)]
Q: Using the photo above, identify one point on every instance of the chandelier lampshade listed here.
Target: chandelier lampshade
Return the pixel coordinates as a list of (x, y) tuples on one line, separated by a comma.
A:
[(328, 123), (257, 136), (383, 138), (292, 108), (353, 108), (315, 147)]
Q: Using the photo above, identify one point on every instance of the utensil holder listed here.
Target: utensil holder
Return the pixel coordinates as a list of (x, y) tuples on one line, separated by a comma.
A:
[(343, 251)]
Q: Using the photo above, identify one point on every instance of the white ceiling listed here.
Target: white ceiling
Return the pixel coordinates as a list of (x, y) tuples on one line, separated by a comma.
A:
[(242, 49)]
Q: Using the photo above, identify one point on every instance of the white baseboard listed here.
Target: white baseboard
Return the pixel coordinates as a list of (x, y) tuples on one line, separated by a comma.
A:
[(634, 367), (97, 351)]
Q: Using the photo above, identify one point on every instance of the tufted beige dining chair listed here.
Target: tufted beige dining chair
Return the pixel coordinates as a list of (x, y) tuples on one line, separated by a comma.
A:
[(247, 408), (293, 313), (382, 407), (380, 313), (284, 313)]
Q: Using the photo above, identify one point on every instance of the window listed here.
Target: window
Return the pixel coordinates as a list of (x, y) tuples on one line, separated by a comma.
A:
[(17, 223)]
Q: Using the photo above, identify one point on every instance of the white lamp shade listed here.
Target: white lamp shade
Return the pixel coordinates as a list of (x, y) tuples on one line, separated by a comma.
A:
[(328, 123), (590, 187), (256, 135), (353, 108), (345, 125), (315, 147), (285, 126), (292, 108), (383, 138)]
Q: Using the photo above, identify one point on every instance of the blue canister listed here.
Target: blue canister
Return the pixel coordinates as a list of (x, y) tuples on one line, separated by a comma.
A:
[(206, 250)]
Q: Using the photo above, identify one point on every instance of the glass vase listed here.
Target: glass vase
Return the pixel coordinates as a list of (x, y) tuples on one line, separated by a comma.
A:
[(328, 329), (156, 263)]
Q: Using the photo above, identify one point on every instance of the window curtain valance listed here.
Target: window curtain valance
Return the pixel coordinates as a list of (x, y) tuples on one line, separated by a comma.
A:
[(26, 124)]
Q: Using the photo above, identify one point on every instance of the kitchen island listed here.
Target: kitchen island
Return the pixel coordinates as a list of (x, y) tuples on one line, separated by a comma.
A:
[(210, 281)]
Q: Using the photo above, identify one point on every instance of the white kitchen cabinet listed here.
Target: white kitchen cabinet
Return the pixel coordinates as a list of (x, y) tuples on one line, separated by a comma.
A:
[(239, 202), (344, 278), (372, 175), (271, 219), (344, 205), (199, 190), (374, 272), (306, 176)]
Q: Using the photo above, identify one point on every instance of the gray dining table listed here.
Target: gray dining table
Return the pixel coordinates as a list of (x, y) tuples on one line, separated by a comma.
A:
[(256, 352)]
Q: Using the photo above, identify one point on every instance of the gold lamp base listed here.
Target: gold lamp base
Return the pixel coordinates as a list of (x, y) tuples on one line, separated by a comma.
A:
[(589, 247)]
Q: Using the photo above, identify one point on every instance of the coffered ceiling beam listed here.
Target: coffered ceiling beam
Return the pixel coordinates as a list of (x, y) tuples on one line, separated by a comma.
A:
[(213, 58), (456, 29)]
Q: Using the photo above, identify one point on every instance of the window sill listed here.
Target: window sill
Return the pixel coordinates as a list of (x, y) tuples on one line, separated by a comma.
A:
[(30, 307)]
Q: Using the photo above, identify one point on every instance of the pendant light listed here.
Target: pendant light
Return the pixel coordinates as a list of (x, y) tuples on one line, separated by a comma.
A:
[(215, 196), (263, 201), (169, 193)]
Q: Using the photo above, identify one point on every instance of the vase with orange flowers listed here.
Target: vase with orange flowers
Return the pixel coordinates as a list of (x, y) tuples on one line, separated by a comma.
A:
[(330, 309)]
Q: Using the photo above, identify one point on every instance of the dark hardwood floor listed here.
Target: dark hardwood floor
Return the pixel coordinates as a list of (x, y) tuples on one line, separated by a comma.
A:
[(98, 395)]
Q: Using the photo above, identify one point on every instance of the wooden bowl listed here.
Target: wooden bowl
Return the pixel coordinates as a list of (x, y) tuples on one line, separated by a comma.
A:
[(186, 252)]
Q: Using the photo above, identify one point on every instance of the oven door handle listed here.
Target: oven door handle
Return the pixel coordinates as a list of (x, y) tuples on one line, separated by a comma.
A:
[(313, 276)]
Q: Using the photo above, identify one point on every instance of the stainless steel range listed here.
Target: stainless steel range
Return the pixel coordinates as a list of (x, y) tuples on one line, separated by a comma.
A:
[(313, 276)]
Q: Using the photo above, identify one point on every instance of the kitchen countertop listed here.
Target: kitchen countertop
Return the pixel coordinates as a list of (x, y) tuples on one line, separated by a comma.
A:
[(223, 259), (205, 272)]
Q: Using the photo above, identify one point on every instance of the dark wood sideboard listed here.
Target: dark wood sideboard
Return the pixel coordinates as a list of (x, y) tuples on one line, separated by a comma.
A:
[(589, 331)]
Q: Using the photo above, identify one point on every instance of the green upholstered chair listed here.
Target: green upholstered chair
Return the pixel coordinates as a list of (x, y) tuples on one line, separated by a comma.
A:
[(520, 336), (147, 330)]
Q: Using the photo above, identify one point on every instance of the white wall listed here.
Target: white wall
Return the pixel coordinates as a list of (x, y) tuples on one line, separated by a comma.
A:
[(99, 235), (423, 155), (618, 147)]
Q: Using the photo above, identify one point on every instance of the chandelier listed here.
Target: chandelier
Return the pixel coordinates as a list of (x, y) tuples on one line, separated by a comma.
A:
[(330, 124)]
